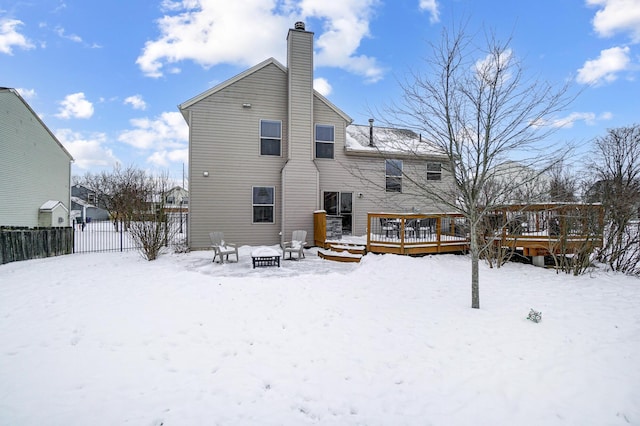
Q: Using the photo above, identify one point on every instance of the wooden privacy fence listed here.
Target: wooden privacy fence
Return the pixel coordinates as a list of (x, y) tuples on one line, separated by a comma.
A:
[(24, 244)]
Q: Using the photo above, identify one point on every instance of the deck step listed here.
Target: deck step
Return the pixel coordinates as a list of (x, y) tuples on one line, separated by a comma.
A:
[(350, 248), (339, 256)]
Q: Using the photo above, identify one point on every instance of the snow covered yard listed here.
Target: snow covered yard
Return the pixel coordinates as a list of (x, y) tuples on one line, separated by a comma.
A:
[(110, 339)]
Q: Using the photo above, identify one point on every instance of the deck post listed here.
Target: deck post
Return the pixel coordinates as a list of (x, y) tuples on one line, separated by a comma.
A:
[(320, 228), (402, 235), (369, 231)]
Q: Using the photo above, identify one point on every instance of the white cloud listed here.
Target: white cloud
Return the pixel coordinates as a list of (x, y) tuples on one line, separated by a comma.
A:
[(136, 102), (491, 67), (26, 93), (589, 118), (73, 37), (617, 16), (165, 158), (431, 6), (211, 32), (322, 86), (10, 37), (75, 106), (87, 150), (606, 67), (167, 135)]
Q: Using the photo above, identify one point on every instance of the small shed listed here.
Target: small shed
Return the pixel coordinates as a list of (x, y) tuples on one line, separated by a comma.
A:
[(53, 214)]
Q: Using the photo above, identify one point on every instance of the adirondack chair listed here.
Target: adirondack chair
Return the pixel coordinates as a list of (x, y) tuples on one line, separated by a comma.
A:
[(295, 246), (221, 248)]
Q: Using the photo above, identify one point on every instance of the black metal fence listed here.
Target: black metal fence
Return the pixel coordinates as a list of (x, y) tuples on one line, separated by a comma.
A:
[(34, 243), (107, 235)]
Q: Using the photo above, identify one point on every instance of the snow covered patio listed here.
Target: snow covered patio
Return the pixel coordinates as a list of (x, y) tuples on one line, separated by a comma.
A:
[(110, 339)]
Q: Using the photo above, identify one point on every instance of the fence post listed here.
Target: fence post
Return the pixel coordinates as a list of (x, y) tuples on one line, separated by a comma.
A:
[(121, 234)]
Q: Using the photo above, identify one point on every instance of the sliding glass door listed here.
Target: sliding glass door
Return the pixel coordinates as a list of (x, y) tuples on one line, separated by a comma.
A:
[(340, 204)]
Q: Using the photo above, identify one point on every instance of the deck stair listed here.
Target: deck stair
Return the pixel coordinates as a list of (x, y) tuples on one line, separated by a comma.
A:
[(342, 252)]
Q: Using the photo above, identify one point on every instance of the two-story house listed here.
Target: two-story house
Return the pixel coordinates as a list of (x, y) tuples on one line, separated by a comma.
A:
[(85, 205), (35, 169), (266, 151)]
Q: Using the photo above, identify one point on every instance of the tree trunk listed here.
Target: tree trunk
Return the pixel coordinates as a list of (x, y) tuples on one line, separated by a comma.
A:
[(475, 279), (475, 272)]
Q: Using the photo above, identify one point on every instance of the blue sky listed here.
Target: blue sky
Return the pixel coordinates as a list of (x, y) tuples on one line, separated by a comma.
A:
[(106, 77)]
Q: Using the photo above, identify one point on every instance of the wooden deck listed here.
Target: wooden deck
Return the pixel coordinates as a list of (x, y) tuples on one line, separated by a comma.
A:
[(534, 230), (416, 233)]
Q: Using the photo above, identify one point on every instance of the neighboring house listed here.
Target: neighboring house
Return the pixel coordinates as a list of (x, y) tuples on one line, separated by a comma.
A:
[(266, 151), (521, 183), (84, 205), (176, 200), (35, 169)]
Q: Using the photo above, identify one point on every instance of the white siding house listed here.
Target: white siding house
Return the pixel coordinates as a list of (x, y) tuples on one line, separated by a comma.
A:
[(266, 151), (35, 169)]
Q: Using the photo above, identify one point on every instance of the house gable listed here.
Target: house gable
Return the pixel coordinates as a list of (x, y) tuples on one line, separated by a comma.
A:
[(225, 160), (183, 107), (33, 163)]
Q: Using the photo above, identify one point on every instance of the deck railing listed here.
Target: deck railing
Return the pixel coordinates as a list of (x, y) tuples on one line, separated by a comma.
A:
[(536, 230), (541, 229), (413, 233)]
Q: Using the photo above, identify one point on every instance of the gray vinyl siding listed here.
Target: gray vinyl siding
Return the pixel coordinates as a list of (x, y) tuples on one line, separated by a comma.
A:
[(366, 175), (33, 166), (300, 176), (225, 142)]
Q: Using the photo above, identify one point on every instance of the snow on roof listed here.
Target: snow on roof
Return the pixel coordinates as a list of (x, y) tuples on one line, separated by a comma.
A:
[(388, 140), (81, 202), (51, 204)]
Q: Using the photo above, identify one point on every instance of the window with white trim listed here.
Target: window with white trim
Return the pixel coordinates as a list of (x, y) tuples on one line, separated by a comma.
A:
[(393, 175), (264, 202), (270, 137), (434, 171), (325, 141)]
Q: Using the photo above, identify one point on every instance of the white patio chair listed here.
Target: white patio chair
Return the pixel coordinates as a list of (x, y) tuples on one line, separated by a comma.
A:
[(296, 245), (221, 248)]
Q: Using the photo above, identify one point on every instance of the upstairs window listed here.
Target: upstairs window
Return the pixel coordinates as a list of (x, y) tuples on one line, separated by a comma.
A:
[(171, 199), (393, 174), (263, 204), (325, 138), (434, 171), (270, 137)]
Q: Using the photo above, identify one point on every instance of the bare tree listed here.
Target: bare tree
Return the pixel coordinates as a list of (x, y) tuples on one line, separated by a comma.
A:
[(121, 191), (135, 200), (152, 229), (563, 185), (477, 106), (616, 166)]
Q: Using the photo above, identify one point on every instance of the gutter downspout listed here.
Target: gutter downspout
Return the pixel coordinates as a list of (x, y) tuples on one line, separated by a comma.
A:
[(283, 173)]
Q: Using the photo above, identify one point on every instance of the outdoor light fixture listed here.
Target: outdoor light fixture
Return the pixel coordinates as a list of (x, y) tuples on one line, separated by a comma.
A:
[(246, 105), (205, 174)]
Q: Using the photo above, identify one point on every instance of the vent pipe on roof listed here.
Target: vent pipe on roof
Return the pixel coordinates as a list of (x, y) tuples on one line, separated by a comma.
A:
[(371, 132), (299, 25)]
